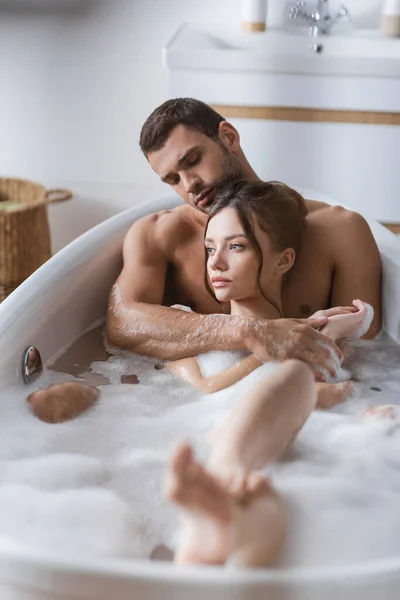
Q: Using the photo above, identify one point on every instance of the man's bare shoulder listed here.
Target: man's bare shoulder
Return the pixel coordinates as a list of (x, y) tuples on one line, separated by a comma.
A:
[(335, 216), (339, 228), (315, 205), (164, 227), (325, 212)]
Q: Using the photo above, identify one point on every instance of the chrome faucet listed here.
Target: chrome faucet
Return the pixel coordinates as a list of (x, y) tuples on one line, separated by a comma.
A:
[(319, 19)]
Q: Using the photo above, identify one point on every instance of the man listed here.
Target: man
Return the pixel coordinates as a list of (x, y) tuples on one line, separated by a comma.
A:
[(194, 150)]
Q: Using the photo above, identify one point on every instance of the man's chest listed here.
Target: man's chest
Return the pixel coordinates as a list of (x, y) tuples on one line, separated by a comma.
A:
[(308, 288), (186, 280)]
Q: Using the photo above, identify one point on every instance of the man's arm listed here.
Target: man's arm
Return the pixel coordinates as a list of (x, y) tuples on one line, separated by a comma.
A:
[(137, 321), (357, 265)]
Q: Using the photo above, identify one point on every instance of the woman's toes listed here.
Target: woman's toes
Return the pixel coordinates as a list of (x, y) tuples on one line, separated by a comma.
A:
[(257, 483), (375, 413)]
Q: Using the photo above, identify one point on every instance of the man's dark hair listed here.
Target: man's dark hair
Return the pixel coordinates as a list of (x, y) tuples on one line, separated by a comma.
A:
[(179, 111)]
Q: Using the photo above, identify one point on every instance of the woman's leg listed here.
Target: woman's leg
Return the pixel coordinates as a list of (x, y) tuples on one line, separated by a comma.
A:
[(229, 513), (241, 525), (265, 421)]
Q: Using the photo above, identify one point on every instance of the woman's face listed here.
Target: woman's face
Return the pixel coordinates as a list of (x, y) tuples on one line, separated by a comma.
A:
[(232, 263)]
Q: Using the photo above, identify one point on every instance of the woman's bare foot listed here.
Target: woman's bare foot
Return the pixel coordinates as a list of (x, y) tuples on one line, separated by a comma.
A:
[(330, 394), (62, 401), (260, 530), (375, 413), (223, 519), (207, 506)]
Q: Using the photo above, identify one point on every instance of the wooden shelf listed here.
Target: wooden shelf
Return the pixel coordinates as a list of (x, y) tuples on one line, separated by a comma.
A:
[(394, 227), (310, 115)]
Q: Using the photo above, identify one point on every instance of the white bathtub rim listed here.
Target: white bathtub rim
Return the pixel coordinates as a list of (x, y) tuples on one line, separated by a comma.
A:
[(75, 252), (19, 565)]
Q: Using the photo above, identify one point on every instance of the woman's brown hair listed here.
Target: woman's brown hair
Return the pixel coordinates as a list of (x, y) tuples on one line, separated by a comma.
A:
[(278, 209)]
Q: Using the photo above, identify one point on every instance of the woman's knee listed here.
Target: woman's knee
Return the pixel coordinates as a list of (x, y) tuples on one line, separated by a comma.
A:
[(297, 373), (298, 369)]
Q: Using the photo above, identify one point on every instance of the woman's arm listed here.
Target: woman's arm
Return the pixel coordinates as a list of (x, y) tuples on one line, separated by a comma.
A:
[(188, 369)]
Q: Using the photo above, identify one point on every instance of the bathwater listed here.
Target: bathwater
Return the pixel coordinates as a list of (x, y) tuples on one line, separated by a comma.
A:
[(91, 486)]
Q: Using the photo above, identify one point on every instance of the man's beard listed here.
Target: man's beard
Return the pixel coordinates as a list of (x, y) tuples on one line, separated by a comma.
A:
[(231, 171)]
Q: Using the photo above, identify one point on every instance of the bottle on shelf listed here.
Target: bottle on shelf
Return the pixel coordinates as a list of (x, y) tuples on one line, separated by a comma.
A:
[(390, 20), (254, 15)]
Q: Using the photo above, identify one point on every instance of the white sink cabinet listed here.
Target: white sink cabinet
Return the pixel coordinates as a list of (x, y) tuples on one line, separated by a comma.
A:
[(328, 120)]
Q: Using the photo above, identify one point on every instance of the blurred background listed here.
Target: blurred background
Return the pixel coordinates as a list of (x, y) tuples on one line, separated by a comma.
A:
[(79, 77)]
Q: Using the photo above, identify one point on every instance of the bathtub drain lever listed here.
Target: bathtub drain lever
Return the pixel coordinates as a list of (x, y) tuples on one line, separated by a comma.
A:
[(32, 364)]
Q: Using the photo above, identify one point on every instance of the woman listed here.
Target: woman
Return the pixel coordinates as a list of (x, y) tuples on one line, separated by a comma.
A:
[(231, 515), (252, 237)]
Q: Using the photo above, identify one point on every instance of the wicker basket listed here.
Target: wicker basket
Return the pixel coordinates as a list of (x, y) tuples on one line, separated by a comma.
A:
[(24, 230)]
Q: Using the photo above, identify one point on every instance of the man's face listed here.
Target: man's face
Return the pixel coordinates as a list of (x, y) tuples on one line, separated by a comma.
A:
[(194, 165)]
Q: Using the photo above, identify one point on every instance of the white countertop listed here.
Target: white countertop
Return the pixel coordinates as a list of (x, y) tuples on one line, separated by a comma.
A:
[(357, 52)]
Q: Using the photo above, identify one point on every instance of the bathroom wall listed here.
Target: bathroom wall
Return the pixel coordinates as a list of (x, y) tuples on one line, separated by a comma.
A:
[(78, 78)]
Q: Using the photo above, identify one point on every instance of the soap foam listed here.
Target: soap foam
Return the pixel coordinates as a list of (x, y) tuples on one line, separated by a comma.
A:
[(80, 522), (365, 325), (92, 486)]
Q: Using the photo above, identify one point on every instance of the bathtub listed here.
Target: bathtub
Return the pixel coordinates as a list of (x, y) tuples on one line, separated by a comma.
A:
[(76, 283)]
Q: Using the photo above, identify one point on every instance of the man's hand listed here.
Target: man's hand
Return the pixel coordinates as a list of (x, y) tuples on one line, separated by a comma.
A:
[(282, 339)]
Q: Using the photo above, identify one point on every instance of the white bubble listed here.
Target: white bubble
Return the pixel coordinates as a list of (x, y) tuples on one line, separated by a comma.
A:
[(93, 484)]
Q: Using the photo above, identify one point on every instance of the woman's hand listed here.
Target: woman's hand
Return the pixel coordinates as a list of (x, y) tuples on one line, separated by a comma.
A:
[(331, 312), (347, 324)]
